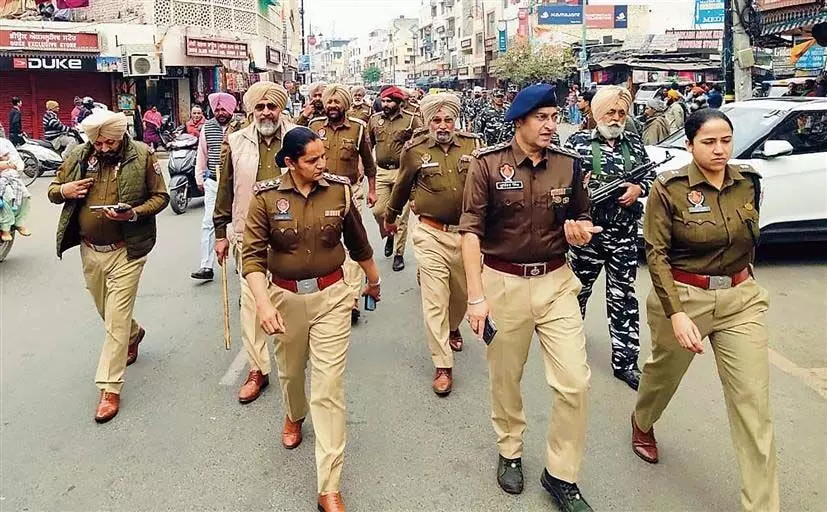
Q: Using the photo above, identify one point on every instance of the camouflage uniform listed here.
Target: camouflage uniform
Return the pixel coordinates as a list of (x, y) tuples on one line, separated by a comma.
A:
[(473, 108), (616, 246), (493, 126)]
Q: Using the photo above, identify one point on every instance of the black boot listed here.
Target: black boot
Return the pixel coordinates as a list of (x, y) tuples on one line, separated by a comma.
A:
[(510, 475), (567, 496), (354, 316), (630, 376), (398, 263), (205, 274), (388, 246)]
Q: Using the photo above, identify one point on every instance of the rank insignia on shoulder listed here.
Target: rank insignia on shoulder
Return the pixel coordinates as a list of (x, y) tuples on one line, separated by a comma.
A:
[(490, 149), (665, 176), (565, 151), (261, 186), (344, 180)]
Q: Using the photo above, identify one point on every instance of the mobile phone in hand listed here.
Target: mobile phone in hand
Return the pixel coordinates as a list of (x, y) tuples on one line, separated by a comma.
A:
[(489, 331), (370, 302)]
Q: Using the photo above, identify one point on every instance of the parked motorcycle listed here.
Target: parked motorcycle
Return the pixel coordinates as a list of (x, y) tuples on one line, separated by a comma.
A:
[(181, 167), (40, 156), (169, 132)]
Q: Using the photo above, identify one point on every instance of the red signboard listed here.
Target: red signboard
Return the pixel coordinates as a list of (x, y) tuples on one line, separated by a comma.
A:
[(600, 16), (771, 5), (49, 41), (522, 22), (216, 49)]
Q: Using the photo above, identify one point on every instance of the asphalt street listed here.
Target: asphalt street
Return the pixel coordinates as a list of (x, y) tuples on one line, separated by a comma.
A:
[(182, 442)]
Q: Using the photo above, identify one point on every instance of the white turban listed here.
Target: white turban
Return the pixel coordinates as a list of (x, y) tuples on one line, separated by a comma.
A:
[(430, 105), (106, 124), (265, 90)]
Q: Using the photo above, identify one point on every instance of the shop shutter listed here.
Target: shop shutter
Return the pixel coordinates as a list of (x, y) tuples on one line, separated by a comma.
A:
[(15, 83), (64, 86)]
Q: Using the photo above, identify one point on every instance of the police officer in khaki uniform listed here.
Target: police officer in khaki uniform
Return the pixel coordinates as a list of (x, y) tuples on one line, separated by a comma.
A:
[(315, 106), (701, 229), (110, 169), (250, 156), (389, 130), (292, 260), (524, 203), (434, 167), (359, 107), (346, 145)]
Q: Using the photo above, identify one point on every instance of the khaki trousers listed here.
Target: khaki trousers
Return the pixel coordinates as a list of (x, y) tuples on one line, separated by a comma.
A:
[(734, 321), (317, 329), (385, 179), (548, 306), (442, 287), (112, 280), (354, 275), (253, 336)]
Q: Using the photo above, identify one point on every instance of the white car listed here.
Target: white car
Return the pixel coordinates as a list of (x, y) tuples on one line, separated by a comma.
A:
[(785, 139)]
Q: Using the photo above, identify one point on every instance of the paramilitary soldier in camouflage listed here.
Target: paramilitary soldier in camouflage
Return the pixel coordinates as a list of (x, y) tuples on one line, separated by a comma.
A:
[(492, 124), (472, 109), (608, 151)]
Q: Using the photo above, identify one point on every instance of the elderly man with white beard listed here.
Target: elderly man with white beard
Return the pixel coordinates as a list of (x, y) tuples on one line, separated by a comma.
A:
[(251, 157), (608, 151)]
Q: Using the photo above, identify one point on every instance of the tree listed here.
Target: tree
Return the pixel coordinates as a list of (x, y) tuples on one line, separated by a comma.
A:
[(371, 75), (524, 64)]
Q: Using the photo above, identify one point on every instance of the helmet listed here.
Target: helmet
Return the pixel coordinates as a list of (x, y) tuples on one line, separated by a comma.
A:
[(88, 102)]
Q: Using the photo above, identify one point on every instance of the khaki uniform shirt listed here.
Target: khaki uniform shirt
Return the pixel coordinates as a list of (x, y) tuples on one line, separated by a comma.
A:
[(362, 111), (344, 145), (94, 225), (389, 135), (267, 169), (303, 234), (433, 178), (518, 209), (692, 226)]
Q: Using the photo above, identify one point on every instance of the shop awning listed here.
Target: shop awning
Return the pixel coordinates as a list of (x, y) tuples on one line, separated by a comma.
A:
[(788, 25)]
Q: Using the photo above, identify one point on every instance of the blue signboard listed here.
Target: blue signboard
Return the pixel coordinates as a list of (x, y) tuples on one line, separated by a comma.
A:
[(559, 15), (502, 41), (812, 58), (621, 16), (709, 12), (304, 63)]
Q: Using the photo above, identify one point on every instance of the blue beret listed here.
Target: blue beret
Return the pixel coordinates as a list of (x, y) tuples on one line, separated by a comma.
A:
[(531, 98)]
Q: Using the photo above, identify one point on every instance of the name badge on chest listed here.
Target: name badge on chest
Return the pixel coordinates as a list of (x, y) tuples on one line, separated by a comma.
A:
[(696, 199), (507, 172), (283, 210)]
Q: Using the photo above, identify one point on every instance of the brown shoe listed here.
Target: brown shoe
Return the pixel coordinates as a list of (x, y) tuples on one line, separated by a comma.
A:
[(455, 341), (291, 436), (644, 444), (6, 236), (132, 350), (107, 407), (443, 381), (23, 231), (252, 388), (331, 502)]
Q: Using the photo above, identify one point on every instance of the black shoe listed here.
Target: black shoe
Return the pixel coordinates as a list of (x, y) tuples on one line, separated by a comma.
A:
[(205, 274), (510, 475), (388, 246), (567, 496), (398, 263), (630, 376), (354, 316)]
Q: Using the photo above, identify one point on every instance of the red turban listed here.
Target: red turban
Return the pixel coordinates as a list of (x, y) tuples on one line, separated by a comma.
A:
[(394, 93)]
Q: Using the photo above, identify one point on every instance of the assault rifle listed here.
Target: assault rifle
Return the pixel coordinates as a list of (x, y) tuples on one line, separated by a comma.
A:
[(612, 189)]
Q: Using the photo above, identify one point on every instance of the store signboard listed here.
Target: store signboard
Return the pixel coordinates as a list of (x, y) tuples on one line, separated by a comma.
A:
[(35, 63), (607, 16), (559, 15), (216, 49), (702, 41), (709, 12), (49, 41)]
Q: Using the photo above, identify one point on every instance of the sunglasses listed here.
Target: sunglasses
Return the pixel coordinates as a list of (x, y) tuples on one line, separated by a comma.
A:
[(269, 106)]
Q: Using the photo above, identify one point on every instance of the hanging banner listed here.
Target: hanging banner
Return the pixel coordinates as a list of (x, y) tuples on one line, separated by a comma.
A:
[(502, 41), (709, 12), (621, 13), (560, 14), (522, 23)]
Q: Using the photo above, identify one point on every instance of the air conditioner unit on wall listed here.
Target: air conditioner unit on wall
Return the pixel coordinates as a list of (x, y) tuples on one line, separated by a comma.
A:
[(144, 64)]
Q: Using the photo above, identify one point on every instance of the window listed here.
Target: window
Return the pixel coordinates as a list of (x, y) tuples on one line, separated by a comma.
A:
[(433, 11), (491, 25), (805, 131)]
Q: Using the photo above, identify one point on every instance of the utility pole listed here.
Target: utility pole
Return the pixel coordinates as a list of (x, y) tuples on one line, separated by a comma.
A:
[(737, 55), (584, 59), (301, 20), (728, 58)]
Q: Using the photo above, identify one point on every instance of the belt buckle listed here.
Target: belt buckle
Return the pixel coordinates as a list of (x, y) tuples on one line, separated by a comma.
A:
[(534, 269), (307, 286), (720, 282)]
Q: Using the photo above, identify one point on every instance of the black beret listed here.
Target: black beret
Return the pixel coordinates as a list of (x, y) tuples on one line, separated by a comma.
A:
[(531, 98)]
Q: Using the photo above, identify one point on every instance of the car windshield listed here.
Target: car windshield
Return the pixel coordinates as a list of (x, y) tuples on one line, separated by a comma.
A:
[(749, 123)]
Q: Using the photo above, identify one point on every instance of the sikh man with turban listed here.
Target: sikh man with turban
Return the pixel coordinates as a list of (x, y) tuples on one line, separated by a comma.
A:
[(359, 108), (609, 151), (432, 177), (60, 135), (315, 105), (347, 145), (250, 157), (212, 139), (389, 130), (524, 204), (113, 171)]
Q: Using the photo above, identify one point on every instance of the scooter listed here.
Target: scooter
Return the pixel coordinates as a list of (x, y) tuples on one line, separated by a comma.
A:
[(169, 132), (181, 167), (39, 156)]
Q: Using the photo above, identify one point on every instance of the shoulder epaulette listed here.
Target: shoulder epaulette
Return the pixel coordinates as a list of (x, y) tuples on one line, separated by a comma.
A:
[(409, 112), (468, 134), (357, 121), (666, 176), (490, 149), (419, 137), (376, 114), (344, 180), (320, 118), (565, 151), (420, 131), (747, 169), (261, 186)]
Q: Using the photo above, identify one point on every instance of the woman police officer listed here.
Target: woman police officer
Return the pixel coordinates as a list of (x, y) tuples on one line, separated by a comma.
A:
[(701, 228), (294, 234)]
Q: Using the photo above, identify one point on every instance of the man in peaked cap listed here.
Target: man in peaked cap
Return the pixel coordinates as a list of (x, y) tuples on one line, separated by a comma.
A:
[(524, 203)]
